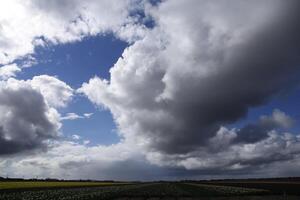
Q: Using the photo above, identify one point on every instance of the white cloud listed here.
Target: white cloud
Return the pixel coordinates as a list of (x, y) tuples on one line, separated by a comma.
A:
[(8, 71), (76, 137), (40, 22), (86, 142), (56, 92), (73, 116), (88, 115), (66, 159)]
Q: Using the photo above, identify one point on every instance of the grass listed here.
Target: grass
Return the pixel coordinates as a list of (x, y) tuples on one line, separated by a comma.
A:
[(11, 185)]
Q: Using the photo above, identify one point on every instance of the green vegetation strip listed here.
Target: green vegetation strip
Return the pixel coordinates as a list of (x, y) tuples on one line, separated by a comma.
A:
[(10, 185), (82, 193)]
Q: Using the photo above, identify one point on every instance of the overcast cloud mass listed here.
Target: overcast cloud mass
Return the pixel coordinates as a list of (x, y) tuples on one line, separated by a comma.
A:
[(174, 93)]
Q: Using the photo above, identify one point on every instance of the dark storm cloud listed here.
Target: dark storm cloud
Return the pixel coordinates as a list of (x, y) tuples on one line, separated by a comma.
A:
[(25, 123), (201, 68), (251, 73), (204, 65)]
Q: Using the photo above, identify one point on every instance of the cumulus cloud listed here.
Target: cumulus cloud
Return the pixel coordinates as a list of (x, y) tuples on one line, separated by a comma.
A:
[(202, 66), (38, 23), (29, 119), (56, 92), (27, 122), (8, 71)]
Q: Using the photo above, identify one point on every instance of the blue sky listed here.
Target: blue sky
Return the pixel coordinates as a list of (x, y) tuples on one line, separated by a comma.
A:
[(185, 69), (75, 64), (288, 102)]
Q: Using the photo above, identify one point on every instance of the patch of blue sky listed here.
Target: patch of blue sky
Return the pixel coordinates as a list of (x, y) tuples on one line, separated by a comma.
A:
[(99, 129), (75, 63), (288, 103)]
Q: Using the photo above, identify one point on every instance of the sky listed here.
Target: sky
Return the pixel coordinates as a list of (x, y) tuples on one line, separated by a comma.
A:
[(149, 90)]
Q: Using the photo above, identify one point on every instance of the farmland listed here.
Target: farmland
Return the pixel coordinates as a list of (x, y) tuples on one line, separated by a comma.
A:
[(277, 186), (7, 185), (153, 190)]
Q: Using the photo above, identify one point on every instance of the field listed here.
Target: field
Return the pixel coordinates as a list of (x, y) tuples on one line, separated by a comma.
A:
[(8, 185), (275, 187), (138, 191)]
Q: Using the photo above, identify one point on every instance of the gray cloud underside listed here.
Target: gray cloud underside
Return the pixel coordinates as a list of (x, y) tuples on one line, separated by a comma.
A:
[(24, 124), (28, 116), (248, 75)]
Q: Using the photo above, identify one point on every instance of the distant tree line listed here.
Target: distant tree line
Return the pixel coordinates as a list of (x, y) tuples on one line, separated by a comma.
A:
[(54, 180), (278, 179)]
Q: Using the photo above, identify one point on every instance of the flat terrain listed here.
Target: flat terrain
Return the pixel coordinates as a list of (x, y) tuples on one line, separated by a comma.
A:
[(165, 190), (275, 187), (8, 185)]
